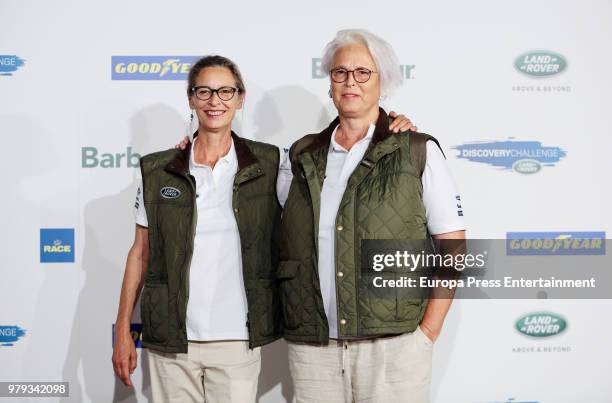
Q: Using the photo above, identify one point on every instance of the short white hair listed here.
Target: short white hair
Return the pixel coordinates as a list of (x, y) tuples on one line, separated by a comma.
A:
[(389, 70)]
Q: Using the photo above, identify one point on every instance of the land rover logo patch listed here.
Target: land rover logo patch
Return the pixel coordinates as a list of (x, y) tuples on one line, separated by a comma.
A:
[(169, 192)]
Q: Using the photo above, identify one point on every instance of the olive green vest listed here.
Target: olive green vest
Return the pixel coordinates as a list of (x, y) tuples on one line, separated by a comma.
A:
[(170, 203), (382, 200)]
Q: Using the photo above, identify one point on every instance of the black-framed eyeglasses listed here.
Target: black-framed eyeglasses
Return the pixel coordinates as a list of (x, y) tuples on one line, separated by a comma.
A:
[(360, 74), (204, 93)]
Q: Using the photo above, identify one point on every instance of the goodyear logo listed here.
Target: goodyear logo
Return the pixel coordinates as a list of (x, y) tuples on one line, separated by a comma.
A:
[(525, 157), (151, 67), (555, 243), (56, 245), (540, 63), (10, 334), (10, 64), (541, 324), (135, 331)]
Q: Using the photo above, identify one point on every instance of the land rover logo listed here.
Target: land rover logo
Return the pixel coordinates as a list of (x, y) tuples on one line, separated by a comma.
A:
[(541, 324), (527, 166), (170, 192), (540, 63)]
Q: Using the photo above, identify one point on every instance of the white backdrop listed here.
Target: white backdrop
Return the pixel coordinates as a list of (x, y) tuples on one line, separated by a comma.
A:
[(463, 87)]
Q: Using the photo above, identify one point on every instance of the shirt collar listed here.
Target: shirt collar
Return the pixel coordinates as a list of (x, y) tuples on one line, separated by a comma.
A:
[(228, 158), (335, 147)]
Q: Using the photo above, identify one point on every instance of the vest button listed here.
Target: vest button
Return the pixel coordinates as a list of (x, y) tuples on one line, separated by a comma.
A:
[(343, 321), (339, 227), (340, 274)]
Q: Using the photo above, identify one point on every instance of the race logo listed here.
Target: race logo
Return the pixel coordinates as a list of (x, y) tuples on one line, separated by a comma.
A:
[(57, 245), (10, 64), (135, 331), (10, 334), (540, 63), (151, 67), (525, 157), (541, 324), (169, 192), (555, 243)]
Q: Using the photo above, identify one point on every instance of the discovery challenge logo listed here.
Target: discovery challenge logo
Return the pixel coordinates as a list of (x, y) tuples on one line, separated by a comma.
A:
[(151, 67), (555, 243), (10, 64), (57, 245), (525, 157), (10, 334), (135, 331)]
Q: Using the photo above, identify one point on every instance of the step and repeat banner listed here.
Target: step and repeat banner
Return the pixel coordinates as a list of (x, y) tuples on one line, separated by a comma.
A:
[(519, 93)]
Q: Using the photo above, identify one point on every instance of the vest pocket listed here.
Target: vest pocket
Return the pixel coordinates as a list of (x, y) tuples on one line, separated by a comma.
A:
[(154, 310), (290, 287)]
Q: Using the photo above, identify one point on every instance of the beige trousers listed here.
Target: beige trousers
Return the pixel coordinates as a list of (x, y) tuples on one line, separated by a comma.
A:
[(211, 372), (386, 370)]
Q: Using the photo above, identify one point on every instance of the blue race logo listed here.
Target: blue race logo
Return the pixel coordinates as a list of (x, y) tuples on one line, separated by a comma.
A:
[(135, 331), (9, 64), (526, 157), (10, 334), (57, 245), (555, 243), (151, 67)]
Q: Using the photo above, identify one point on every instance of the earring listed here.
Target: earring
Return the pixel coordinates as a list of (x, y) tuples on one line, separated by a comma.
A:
[(329, 93), (191, 119)]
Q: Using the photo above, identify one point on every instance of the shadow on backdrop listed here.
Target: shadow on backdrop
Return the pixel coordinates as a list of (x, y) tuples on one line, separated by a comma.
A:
[(108, 225)]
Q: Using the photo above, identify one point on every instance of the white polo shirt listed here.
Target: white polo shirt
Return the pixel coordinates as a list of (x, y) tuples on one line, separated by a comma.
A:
[(217, 306), (440, 198)]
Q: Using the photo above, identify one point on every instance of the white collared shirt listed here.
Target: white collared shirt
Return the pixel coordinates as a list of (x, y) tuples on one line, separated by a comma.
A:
[(217, 306)]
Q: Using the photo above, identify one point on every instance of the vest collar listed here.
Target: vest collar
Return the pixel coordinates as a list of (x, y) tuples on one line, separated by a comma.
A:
[(381, 132), (246, 158)]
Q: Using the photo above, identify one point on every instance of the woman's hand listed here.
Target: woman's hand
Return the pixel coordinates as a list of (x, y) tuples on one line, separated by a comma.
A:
[(183, 144), (401, 123), (124, 356)]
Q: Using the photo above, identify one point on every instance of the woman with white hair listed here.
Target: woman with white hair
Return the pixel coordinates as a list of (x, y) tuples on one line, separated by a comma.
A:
[(354, 181)]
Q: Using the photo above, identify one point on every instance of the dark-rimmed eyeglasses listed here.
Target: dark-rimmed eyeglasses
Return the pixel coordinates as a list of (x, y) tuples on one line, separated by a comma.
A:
[(204, 93), (361, 74)]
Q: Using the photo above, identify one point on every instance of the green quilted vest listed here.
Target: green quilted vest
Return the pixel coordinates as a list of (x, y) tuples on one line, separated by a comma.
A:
[(383, 200), (169, 199)]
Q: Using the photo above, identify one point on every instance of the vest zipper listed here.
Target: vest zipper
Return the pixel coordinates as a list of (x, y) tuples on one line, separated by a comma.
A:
[(190, 179)]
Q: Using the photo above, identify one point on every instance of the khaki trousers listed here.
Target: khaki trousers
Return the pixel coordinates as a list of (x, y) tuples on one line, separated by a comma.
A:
[(211, 372), (386, 370)]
